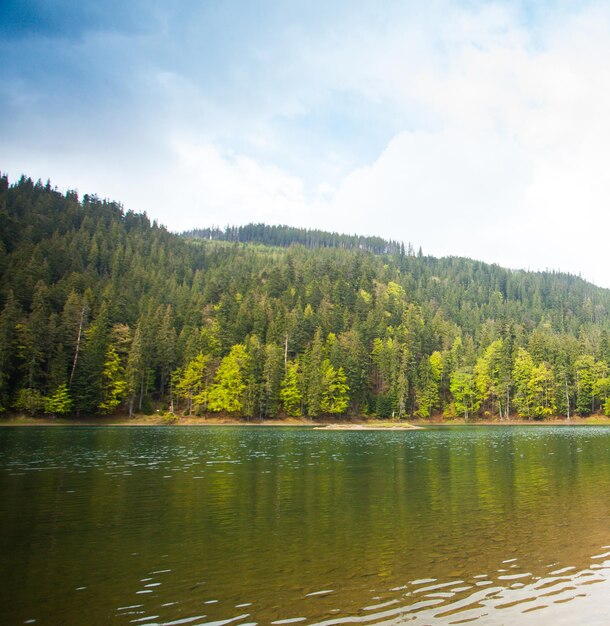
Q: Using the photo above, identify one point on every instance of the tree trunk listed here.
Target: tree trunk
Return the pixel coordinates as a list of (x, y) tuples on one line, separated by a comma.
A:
[(567, 396), (78, 338), (286, 353), (141, 393)]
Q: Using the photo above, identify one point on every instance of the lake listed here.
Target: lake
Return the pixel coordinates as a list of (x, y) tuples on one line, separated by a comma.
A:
[(245, 525)]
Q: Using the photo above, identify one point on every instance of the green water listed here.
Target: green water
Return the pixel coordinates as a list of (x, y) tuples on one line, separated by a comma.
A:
[(291, 525)]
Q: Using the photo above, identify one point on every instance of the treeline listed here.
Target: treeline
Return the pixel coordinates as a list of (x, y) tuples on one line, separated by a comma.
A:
[(104, 311), (285, 236)]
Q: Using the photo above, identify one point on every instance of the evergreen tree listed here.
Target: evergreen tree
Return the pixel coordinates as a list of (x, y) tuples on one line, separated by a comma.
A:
[(9, 319), (291, 394), (88, 381), (35, 334), (585, 378), (428, 394), (335, 390), (136, 371), (488, 376), (272, 379), (166, 348), (313, 376), (114, 384), (253, 375), (522, 375)]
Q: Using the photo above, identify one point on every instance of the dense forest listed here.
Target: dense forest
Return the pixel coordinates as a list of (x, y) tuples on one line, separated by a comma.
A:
[(285, 236), (104, 311)]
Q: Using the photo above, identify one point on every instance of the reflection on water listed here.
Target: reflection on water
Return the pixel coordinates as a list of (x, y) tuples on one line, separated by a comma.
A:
[(280, 526)]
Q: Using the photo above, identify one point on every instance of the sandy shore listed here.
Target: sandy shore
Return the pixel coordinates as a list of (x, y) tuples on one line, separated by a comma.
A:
[(322, 424), (143, 420), (158, 420), (370, 426)]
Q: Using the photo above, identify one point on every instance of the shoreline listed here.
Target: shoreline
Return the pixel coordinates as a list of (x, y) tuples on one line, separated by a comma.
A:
[(157, 420), (317, 424)]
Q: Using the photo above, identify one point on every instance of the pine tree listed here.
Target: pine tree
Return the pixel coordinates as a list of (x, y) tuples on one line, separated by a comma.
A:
[(136, 371), (335, 390), (313, 376), (8, 348), (489, 376), (253, 376), (522, 375), (87, 385), (585, 377), (114, 384), (166, 348), (35, 339), (428, 393), (272, 379), (291, 394)]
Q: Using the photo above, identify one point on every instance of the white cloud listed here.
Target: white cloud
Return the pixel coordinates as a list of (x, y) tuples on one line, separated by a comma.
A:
[(234, 188), (498, 134), (515, 172), (440, 188)]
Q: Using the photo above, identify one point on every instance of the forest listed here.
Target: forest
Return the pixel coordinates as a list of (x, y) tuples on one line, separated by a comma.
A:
[(104, 311)]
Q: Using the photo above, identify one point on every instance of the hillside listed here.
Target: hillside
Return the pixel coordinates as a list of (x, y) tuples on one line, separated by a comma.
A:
[(285, 236), (103, 311)]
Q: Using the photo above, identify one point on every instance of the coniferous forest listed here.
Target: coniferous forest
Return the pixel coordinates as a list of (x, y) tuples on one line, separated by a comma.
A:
[(103, 311)]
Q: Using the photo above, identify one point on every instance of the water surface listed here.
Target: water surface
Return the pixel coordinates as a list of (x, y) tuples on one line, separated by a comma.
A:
[(243, 525)]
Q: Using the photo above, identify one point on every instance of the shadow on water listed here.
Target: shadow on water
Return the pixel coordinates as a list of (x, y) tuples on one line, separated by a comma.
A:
[(262, 525)]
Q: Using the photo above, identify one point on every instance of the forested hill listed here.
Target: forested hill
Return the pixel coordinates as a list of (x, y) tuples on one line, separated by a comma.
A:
[(103, 311), (284, 236)]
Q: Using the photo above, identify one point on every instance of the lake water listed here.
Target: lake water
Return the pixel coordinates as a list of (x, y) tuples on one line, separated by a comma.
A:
[(240, 525)]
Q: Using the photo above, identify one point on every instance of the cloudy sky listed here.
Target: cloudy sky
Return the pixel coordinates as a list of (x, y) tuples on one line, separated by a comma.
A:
[(478, 129)]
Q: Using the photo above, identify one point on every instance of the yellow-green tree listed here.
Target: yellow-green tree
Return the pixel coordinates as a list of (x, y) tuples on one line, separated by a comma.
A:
[(535, 391), (522, 374), (59, 402), (291, 392), (29, 400), (227, 389), (428, 391), (114, 384), (541, 388), (190, 382), (601, 389), (313, 374), (335, 390), (463, 389), (491, 385)]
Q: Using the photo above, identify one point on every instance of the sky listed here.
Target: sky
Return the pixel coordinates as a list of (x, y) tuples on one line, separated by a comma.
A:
[(469, 128)]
